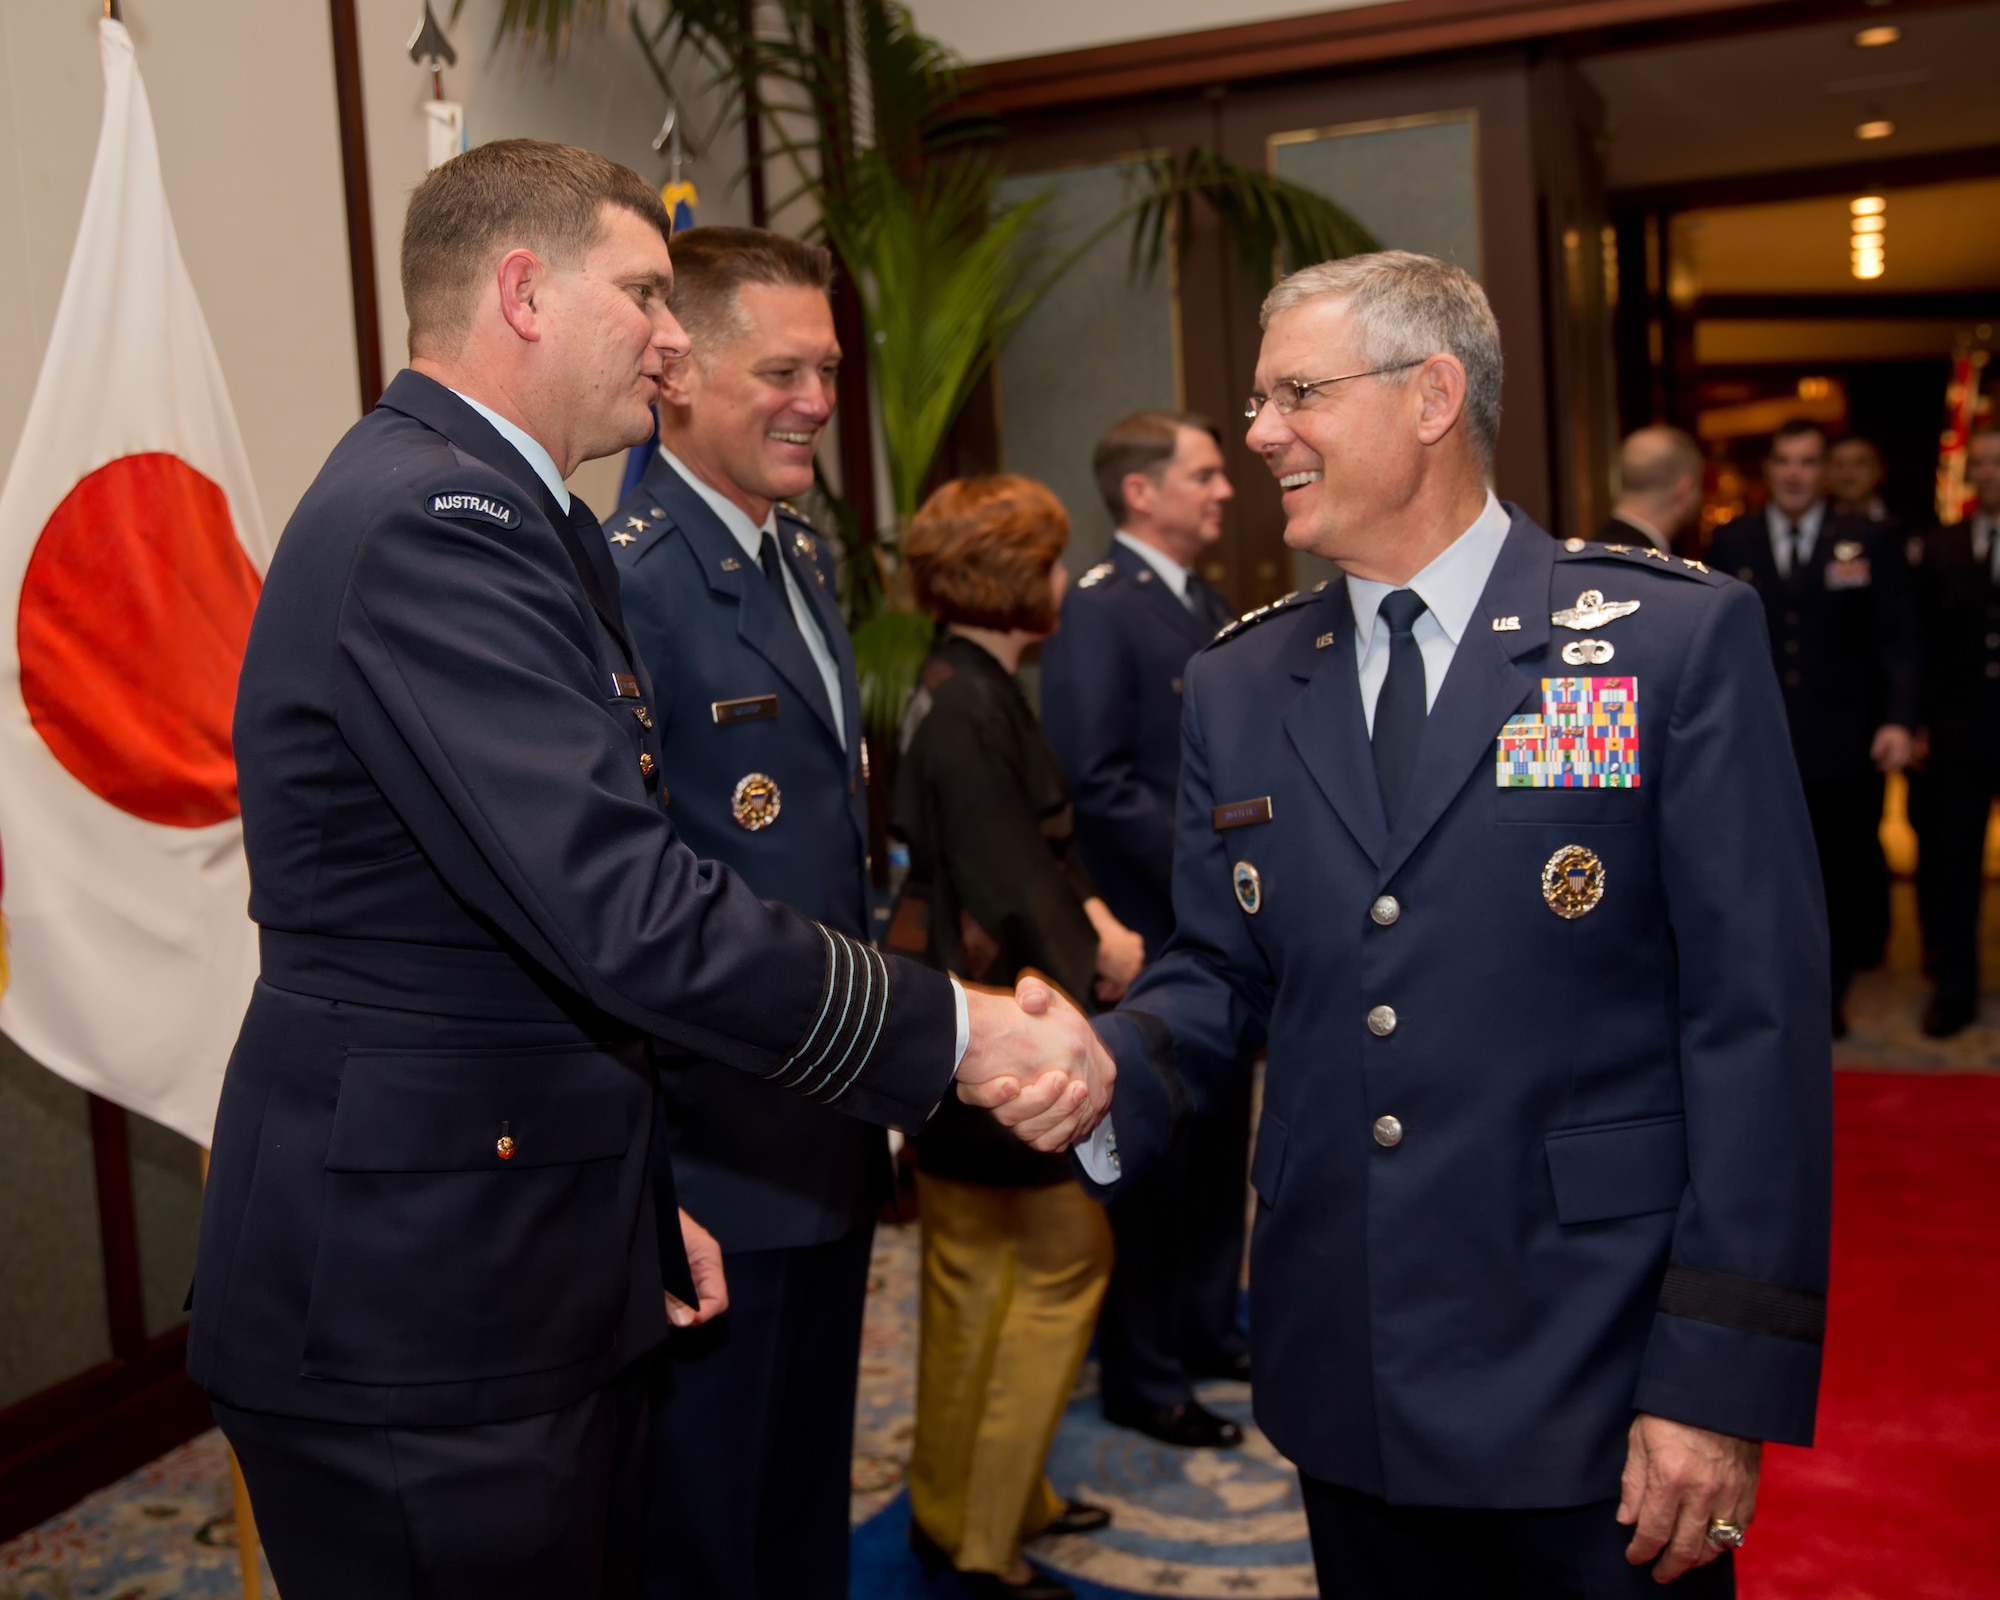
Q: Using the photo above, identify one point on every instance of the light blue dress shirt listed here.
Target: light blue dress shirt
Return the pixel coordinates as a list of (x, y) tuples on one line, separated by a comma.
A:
[(529, 446)]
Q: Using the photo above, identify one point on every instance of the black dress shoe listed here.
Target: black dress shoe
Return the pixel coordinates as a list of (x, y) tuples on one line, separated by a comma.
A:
[(1234, 1369), (1191, 1425), (989, 1585), (1942, 1020), (1079, 1516)]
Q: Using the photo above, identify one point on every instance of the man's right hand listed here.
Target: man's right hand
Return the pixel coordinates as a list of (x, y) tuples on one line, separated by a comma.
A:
[(1034, 1062)]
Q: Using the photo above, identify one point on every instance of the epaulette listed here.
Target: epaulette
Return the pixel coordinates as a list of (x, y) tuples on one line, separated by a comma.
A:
[(1640, 556), (639, 521), (1096, 575), (806, 545), (1250, 619), (786, 508)]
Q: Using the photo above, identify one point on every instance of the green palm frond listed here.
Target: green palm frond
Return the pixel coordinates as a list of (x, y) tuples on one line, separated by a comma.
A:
[(1269, 217), (889, 651)]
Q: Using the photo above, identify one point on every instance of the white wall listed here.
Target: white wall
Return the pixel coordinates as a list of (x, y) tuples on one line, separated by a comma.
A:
[(242, 97), (602, 96), (982, 31)]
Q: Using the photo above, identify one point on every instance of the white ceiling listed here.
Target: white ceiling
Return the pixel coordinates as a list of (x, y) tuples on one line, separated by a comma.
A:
[(1761, 102)]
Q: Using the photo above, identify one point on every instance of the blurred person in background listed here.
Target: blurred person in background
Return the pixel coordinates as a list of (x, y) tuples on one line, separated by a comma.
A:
[(1958, 587), (1111, 704), (1838, 600), (1659, 492), (1854, 479), (1015, 1256)]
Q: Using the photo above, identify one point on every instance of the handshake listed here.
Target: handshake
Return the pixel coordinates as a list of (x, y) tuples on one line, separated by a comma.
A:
[(1034, 1062)]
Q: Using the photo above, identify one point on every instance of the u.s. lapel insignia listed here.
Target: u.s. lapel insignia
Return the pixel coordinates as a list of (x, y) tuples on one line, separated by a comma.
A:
[(1588, 652), (1592, 610), (1249, 887), (1506, 624), (756, 802), (1323, 641), (1573, 881), (731, 564)]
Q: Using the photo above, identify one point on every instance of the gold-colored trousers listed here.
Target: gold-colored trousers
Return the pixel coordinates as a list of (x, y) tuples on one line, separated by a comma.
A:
[(1012, 1279)]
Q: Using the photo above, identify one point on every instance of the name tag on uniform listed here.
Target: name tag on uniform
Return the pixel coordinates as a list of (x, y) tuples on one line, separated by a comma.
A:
[(626, 685), (1241, 813), (751, 708), (1587, 737)]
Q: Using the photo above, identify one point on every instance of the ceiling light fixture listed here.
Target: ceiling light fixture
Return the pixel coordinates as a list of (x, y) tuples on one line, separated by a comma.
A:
[(1875, 38), (1875, 128), (1869, 221)]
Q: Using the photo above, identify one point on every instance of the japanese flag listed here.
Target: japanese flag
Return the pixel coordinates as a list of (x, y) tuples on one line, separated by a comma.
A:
[(130, 553)]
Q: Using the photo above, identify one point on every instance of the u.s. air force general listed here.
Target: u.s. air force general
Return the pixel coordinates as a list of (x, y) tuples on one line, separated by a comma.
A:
[(1498, 844)]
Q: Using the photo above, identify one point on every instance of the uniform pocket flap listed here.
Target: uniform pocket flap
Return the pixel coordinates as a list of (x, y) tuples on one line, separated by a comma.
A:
[(449, 1111), (1267, 1165), (1618, 1169)]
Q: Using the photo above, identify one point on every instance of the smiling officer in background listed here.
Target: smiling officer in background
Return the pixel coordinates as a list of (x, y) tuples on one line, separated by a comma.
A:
[(732, 604), (1499, 842)]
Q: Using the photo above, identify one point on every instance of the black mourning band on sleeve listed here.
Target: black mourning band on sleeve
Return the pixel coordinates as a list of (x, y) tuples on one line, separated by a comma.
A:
[(1744, 1304), (853, 1006)]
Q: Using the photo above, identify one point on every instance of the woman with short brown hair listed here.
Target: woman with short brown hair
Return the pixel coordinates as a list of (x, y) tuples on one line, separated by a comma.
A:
[(1015, 1256)]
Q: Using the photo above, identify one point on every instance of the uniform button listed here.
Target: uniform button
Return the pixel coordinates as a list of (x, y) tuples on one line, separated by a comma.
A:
[(1993, 641), (1572, 545), (1791, 647), (1993, 669), (1388, 1132), (1792, 678), (1792, 618), (645, 764), (1382, 1021), (1383, 912)]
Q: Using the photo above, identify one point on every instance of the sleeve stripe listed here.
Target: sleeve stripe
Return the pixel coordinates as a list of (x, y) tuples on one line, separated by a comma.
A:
[(834, 986), (1744, 1304), (877, 1002)]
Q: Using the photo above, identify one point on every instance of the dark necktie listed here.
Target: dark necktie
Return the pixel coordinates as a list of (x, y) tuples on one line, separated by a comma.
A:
[(774, 569), (1400, 709), (1205, 603), (1795, 553)]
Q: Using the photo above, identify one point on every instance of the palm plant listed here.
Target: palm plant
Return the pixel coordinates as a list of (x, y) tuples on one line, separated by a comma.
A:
[(866, 117)]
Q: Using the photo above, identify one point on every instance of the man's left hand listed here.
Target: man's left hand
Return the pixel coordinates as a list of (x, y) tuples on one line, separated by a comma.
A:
[(1676, 1479), (705, 1267), (1893, 747)]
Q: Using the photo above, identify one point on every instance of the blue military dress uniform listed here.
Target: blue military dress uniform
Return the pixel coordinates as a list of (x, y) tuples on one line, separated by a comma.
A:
[(1546, 1132), (432, 1235), (1111, 706), (790, 1189)]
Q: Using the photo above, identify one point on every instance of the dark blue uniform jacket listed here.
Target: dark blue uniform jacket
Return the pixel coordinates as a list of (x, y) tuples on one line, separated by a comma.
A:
[(1111, 706), (1844, 635), (431, 1200), (1612, 1186), (735, 692)]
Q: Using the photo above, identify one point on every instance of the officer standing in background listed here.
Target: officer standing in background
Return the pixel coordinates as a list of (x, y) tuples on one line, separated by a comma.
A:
[(732, 605), (1659, 492), (1837, 596), (1111, 705), (1498, 843), (1958, 584), (436, 1232)]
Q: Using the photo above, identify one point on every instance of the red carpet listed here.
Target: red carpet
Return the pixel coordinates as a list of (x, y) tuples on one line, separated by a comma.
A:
[(1901, 1499)]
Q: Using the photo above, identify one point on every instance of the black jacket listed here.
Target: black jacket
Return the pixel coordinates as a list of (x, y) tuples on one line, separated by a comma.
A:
[(994, 869), (1961, 619), (1843, 636)]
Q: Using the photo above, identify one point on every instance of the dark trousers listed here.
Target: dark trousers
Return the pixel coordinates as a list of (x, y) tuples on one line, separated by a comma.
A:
[(1847, 829), (1365, 1549), (753, 1432), (1951, 877), (1175, 1282), (544, 1505)]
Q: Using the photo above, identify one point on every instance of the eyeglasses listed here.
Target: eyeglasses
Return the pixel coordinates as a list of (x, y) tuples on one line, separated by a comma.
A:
[(1291, 393)]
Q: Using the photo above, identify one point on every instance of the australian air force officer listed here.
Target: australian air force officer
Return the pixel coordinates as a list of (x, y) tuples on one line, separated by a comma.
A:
[(1111, 702), (731, 602), (1543, 1168), (434, 1243)]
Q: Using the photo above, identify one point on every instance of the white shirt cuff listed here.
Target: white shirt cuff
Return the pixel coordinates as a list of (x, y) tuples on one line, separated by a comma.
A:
[(964, 1025), (1099, 1153)]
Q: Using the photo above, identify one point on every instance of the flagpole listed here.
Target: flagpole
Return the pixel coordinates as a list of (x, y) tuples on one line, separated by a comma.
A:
[(113, 11)]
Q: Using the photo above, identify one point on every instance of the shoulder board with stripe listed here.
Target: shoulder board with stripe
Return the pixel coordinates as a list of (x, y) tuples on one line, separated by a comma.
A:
[(1250, 619), (1096, 575)]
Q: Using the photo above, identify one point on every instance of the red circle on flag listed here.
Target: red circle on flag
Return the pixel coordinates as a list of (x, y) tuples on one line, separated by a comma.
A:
[(134, 612)]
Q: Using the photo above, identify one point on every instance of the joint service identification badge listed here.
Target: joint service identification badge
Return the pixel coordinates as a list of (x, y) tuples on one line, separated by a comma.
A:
[(756, 802), (1587, 737), (1572, 881)]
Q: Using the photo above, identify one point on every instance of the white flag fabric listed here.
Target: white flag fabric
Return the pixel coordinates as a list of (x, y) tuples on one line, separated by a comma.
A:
[(131, 553)]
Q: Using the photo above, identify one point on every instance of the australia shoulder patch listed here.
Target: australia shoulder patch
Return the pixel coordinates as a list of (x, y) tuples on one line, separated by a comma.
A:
[(471, 507)]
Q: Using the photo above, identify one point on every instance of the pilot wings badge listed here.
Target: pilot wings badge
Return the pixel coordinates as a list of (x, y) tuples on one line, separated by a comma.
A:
[(1592, 610)]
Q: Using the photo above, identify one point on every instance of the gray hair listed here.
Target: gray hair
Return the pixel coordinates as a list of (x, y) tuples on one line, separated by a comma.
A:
[(1407, 307)]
